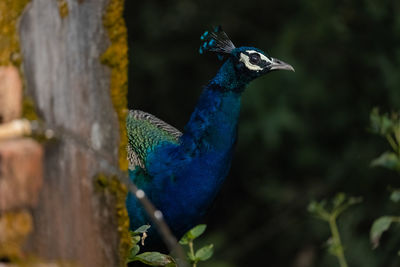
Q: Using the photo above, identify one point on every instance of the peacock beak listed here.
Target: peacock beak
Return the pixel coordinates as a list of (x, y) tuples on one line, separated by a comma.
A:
[(280, 65)]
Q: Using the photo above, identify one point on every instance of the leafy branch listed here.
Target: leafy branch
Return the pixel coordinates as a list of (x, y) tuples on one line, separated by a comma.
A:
[(339, 204), (203, 253), (149, 258), (158, 259), (388, 127)]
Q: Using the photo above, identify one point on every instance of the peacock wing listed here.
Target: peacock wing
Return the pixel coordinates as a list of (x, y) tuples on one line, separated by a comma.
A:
[(145, 133)]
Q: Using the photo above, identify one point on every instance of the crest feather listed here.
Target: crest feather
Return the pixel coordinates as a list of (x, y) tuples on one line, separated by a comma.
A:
[(216, 41)]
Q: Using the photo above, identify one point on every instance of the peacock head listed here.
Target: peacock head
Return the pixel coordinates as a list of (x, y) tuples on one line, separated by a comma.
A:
[(249, 62)]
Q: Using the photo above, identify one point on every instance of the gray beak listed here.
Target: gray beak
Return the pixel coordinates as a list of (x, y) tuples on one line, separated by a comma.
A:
[(280, 65)]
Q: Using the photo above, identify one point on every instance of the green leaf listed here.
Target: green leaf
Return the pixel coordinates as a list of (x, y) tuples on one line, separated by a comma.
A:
[(395, 195), (386, 125), (379, 226), (318, 209), (382, 124), (375, 119), (135, 239), (133, 252), (338, 200), (155, 259), (388, 160), (191, 257), (193, 234), (142, 229), (354, 200), (184, 240), (204, 253), (344, 205)]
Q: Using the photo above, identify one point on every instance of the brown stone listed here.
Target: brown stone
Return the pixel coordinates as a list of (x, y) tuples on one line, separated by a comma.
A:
[(14, 228), (20, 173), (10, 94)]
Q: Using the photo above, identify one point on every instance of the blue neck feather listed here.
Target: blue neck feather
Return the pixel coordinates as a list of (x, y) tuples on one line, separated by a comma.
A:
[(229, 78), (213, 123)]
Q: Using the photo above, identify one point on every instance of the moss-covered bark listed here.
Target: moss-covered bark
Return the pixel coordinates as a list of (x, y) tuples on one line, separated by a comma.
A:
[(63, 8), (116, 57), (111, 185), (9, 41)]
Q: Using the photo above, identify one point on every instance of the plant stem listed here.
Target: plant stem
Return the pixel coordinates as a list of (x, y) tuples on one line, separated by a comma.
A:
[(397, 137), (392, 143), (337, 242), (191, 251)]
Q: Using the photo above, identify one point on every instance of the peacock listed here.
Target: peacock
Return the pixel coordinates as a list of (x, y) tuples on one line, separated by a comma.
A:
[(181, 172)]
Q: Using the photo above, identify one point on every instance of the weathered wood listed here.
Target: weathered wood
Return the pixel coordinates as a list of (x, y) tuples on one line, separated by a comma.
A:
[(71, 90)]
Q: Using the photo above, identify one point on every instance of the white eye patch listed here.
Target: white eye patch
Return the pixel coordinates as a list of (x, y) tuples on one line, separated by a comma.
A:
[(246, 60)]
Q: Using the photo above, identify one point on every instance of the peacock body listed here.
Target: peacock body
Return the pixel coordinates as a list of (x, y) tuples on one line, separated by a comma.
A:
[(181, 172)]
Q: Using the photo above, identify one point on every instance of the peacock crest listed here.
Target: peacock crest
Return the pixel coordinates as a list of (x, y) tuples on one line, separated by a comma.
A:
[(216, 41)]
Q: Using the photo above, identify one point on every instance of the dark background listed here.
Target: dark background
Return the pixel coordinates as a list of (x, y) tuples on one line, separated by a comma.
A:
[(302, 135)]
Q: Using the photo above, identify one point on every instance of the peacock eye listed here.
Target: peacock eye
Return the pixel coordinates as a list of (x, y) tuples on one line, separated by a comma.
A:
[(254, 58)]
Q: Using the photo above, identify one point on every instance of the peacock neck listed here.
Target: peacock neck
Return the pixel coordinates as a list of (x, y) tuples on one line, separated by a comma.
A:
[(229, 78), (214, 121)]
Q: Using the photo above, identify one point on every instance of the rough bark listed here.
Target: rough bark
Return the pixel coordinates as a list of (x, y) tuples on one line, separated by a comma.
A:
[(71, 91)]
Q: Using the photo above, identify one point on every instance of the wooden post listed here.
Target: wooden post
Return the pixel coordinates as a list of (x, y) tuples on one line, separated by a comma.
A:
[(62, 43)]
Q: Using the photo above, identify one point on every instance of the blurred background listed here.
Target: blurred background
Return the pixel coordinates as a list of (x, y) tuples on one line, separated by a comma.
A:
[(302, 136)]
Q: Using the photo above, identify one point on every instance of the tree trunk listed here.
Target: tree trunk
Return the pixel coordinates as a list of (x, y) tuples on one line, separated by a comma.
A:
[(62, 43)]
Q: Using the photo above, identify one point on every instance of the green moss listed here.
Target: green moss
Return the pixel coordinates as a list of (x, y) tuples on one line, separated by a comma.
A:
[(63, 8), (28, 109), (9, 41), (101, 182), (113, 186), (14, 228), (116, 57)]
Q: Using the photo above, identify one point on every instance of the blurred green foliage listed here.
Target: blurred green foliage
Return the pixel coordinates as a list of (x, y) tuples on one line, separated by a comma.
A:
[(388, 127), (339, 204), (302, 135)]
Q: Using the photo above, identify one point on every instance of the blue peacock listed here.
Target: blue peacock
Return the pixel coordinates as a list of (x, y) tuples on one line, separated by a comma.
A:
[(181, 172)]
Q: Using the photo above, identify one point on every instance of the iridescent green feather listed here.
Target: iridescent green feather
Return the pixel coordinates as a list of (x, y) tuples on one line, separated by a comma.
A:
[(145, 132)]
